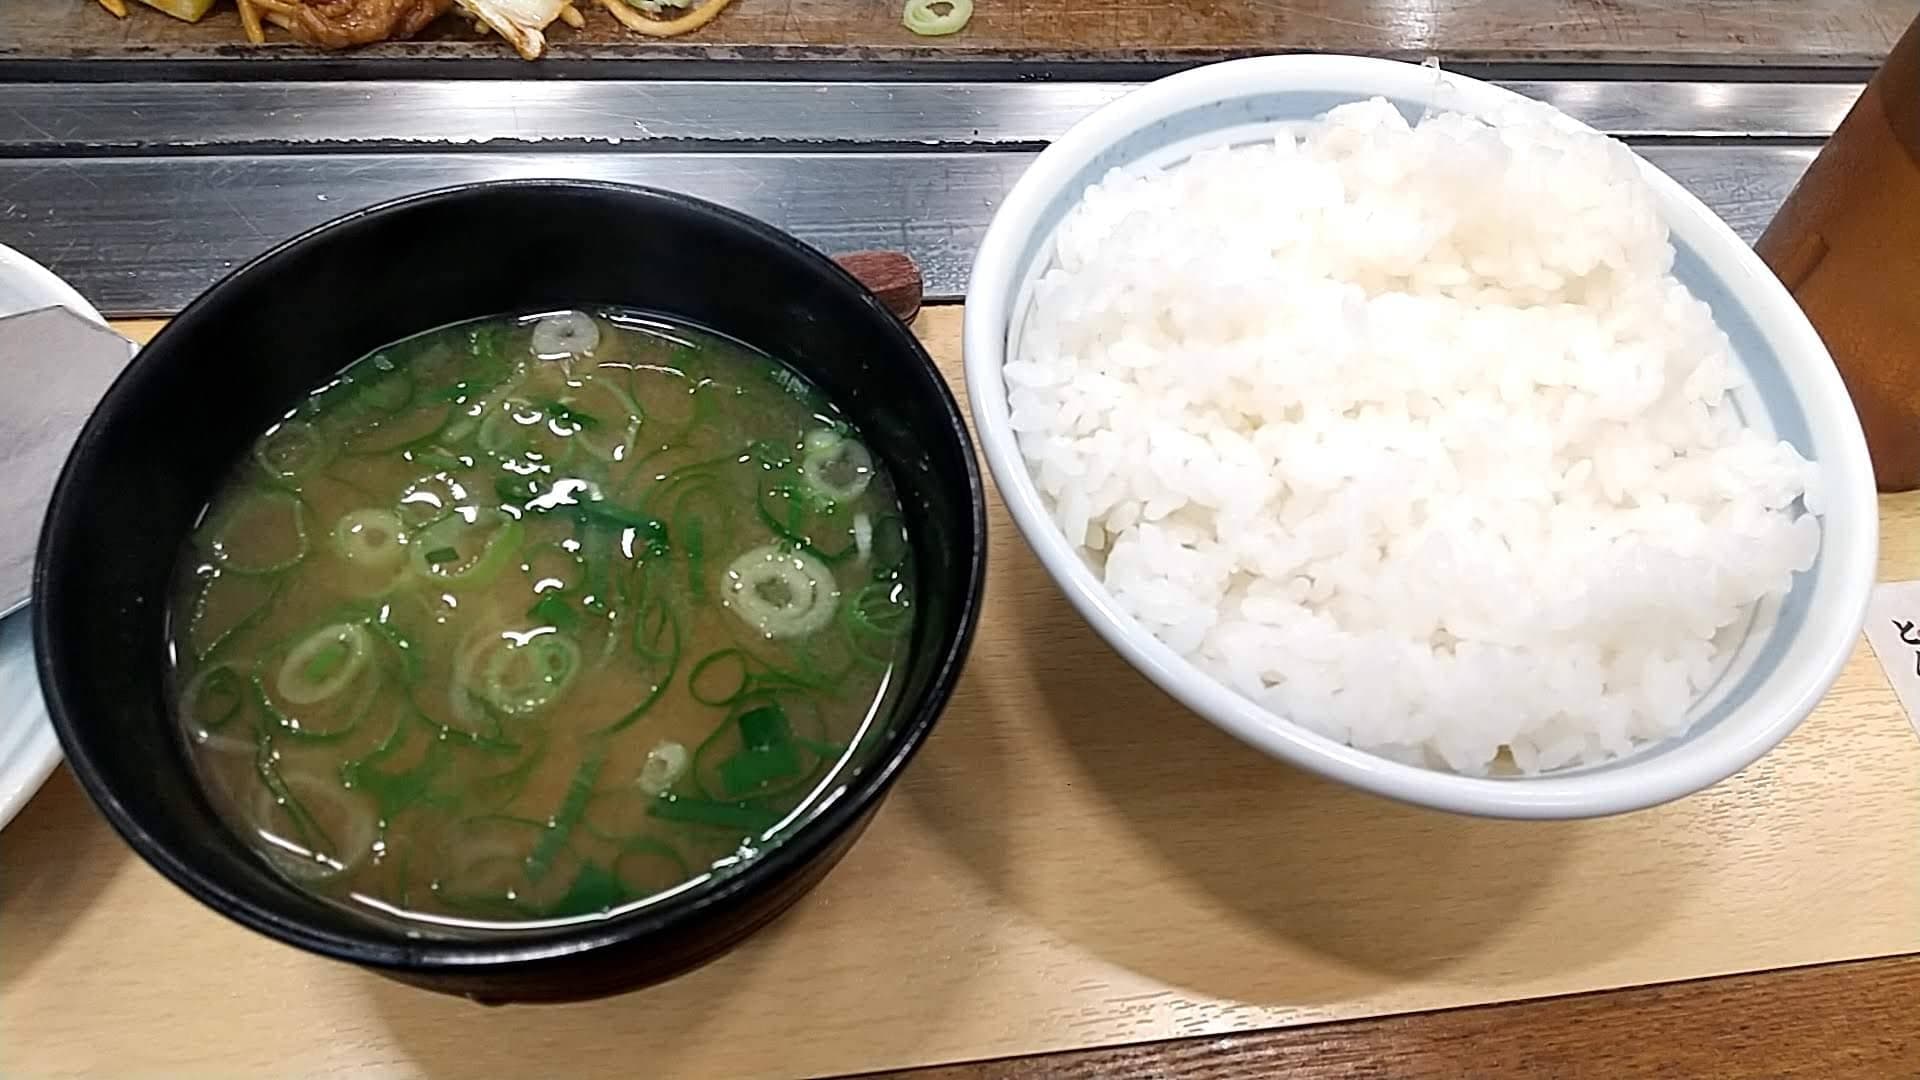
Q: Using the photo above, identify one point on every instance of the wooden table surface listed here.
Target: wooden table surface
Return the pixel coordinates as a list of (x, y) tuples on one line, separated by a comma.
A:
[(1717, 32), (1826, 1022), (1834, 1022), (1152, 887)]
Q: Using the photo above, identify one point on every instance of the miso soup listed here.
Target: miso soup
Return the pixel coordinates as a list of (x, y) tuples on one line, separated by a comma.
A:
[(538, 619)]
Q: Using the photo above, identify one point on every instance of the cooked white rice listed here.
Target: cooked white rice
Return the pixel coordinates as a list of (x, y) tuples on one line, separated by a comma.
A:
[(1409, 434)]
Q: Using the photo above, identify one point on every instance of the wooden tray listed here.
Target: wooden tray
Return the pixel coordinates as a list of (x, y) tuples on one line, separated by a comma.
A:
[(1753, 32), (1073, 861)]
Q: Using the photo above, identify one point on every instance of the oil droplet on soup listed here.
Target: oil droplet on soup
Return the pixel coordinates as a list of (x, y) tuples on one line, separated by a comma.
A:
[(540, 618)]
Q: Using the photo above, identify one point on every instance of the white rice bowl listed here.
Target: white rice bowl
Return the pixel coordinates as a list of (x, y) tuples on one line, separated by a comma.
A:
[(1408, 434)]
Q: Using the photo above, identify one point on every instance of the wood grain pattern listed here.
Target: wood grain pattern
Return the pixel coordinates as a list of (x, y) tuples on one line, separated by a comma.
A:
[(1850, 32), (1072, 862), (1835, 1022)]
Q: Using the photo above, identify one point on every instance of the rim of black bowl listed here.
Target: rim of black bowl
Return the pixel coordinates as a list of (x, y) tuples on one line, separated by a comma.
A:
[(389, 948)]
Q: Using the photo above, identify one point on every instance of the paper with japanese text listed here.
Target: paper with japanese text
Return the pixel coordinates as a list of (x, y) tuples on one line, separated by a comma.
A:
[(1893, 629)]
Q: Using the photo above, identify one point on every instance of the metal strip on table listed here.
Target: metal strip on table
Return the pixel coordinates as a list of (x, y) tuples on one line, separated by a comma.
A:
[(145, 235), (43, 118), (143, 194)]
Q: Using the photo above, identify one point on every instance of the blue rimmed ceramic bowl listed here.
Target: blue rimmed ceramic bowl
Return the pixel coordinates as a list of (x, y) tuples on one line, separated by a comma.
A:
[(1789, 653)]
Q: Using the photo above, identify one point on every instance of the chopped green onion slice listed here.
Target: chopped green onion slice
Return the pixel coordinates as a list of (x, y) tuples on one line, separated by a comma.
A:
[(805, 518), (324, 828), (516, 490), (921, 18), (401, 431), (435, 457), (764, 727), (782, 594), (502, 433), (394, 790), (572, 805), (664, 766), (255, 598), (484, 859), (766, 751), (744, 817), (487, 342), (371, 538), (613, 440), (551, 610), (746, 772), (835, 466), (608, 512), (290, 450), (550, 567), (327, 661), (594, 889), (412, 666), (213, 697), (693, 541), (388, 392), (431, 498), (770, 454), (522, 679), (275, 524), (467, 547), (564, 334), (573, 418), (656, 656), (881, 608), (720, 678), (323, 664)]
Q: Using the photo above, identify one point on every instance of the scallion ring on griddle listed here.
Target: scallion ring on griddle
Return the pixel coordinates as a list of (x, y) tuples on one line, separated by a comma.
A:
[(921, 17), (663, 28)]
